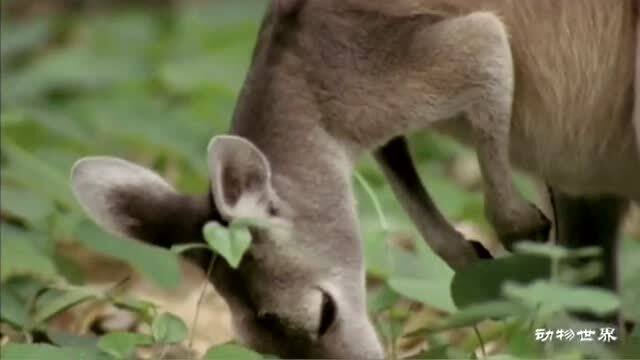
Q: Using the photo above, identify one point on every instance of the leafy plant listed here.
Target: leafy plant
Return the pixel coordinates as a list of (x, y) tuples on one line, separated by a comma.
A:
[(153, 86)]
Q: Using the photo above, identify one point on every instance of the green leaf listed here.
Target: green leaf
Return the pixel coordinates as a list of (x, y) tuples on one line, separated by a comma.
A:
[(168, 329), (19, 256), (378, 253), (66, 339), (547, 250), (60, 303), (12, 310), (476, 313), (122, 345), (230, 244), (48, 352), (230, 351), (631, 298), (482, 282), (630, 289), (145, 309), (423, 277), (36, 174), (424, 291), (562, 297), (381, 299), (26, 205), (557, 252), (159, 265)]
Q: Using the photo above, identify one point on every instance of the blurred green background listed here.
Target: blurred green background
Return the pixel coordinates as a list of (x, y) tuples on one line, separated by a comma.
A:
[(152, 82)]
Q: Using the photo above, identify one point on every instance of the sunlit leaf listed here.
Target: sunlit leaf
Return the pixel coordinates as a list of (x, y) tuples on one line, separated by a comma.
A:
[(168, 329), (229, 243)]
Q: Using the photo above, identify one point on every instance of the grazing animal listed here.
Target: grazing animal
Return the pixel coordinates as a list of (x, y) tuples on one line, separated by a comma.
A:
[(545, 85)]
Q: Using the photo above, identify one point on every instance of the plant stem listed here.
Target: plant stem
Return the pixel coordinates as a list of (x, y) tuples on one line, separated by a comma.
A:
[(374, 198), (200, 300)]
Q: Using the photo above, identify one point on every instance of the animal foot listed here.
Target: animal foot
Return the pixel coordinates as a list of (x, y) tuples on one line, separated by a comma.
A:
[(522, 223), (481, 251)]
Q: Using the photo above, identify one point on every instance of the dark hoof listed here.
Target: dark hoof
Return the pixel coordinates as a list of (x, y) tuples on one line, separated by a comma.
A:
[(481, 251)]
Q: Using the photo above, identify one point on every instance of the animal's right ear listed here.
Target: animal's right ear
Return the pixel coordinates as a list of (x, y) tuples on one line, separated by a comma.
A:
[(241, 177), (131, 201)]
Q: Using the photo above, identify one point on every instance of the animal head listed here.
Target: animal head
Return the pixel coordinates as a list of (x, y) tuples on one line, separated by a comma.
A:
[(300, 289), (295, 292)]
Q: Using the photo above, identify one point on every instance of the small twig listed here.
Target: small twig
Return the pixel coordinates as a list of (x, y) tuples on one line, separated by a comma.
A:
[(394, 352), (163, 352), (117, 286), (376, 202), (482, 348), (200, 300)]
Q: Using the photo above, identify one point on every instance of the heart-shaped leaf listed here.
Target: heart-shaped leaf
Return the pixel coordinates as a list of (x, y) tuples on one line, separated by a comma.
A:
[(231, 243), (168, 329)]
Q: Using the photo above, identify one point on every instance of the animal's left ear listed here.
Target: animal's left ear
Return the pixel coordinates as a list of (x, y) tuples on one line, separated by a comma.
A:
[(241, 177), (129, 200), (287, 7)]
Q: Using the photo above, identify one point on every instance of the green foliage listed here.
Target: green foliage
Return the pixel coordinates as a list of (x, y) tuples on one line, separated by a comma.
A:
[(483, 281), (58, 302), (42, 351), (154, 88), (562, 297), (231, 243), (26, 258), (168, 329), (121, 345), (230, 351)]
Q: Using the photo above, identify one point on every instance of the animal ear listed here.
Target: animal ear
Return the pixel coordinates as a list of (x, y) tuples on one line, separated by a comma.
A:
[(128, 200), (287, 7), (241, 177)]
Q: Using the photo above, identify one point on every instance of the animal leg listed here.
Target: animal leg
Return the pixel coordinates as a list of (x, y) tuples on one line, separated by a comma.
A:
[(396, 163), (470, 72), (582, 222), (489, 114)]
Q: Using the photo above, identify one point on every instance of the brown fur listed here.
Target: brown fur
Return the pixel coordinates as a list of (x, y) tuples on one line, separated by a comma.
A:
[(547, 84)]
